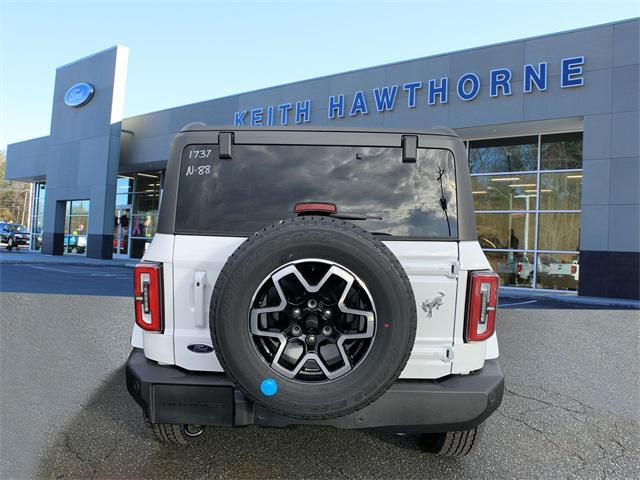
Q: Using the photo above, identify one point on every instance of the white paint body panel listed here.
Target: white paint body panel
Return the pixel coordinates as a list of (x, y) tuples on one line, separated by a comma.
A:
[(192, 264), (429, 266)]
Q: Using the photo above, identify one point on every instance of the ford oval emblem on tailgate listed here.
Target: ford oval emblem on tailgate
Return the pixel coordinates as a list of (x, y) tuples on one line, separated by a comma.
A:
[(200, 348)]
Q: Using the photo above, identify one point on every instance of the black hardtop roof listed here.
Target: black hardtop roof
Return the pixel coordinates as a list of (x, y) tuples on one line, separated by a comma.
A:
[(201, 127)]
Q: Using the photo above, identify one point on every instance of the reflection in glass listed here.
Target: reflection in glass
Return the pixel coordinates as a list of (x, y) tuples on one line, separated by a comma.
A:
[(559, 231), (146, 202), (37, 215), (147, 181), (560, 191), (560, 271), (506, 230), (514, 268), (503, 155), (75, 227), (263, 184), (561, 151), (504, 192), (139, 246), (144, 225), (124, 184)]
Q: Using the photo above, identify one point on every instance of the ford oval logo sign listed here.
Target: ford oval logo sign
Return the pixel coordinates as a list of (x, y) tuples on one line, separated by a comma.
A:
[(79, 94)]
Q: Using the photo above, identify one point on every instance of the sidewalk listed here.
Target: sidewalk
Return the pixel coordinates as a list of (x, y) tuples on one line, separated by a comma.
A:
[(27, 256), (567, 297)]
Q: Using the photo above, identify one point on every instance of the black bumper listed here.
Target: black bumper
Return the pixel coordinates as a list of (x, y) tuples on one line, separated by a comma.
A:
[(169, 394)]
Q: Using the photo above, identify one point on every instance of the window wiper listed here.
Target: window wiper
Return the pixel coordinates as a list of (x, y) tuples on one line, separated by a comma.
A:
[(443, 198), (354, 216)]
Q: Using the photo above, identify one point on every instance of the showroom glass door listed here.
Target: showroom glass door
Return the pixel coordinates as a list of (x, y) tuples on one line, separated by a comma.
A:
[(121, 229)]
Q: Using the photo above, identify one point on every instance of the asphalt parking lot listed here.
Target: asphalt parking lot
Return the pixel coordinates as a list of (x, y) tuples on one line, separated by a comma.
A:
[(570, 410)]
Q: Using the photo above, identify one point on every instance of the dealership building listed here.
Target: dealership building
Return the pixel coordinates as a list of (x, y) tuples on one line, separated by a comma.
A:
[(551, 126)]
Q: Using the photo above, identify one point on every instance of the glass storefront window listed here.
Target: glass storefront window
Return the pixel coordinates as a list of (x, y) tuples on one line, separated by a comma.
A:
[(506, 230), (503, 155), (144, 225), (146, 202), (78, 207), (37, 214), (139, 195), (76, 226), (147, 181), (514, 268), (561, 151), (139, 246), (559, 271), (519, 189), (560, 191), (504, 192), (124, 188), (559, 231)]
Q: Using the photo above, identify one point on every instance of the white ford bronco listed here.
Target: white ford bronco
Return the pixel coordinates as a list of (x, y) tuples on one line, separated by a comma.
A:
[(316, 276)]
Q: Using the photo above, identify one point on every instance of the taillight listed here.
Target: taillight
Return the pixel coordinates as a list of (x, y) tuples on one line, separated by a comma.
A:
[(147, 287), (481, 309), (519, 267)]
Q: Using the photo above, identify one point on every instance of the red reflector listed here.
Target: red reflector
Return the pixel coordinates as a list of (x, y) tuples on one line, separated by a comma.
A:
[(147, 290), (519, 268), (315, 207), (574, 269), (481, 309)]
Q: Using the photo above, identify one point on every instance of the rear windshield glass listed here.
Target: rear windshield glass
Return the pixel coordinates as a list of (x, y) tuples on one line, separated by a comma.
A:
[(261, 184)]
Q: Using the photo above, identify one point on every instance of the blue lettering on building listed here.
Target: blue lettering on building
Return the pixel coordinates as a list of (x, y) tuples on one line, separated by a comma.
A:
[(284, 108), (238, 119), (571, 72), (532, 76), (270, 115), (468, 86), (256, 117), (385, 98), (535, 77), (336, 106), (359, 104), (411, 88), (499, 79), (303, 111), (439, 90)]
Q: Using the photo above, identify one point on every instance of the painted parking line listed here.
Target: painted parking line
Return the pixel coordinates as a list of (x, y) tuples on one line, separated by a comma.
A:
[(84, 271), (517, 303)]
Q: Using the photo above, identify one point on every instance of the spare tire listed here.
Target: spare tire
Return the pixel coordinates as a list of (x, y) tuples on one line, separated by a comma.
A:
[(313, 317)]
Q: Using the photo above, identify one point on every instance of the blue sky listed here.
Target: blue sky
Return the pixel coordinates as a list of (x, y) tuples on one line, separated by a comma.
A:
[(184, 52)]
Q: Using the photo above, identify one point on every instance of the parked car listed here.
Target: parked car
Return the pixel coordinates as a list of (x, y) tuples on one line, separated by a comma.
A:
[(13, 235), (316, 277)]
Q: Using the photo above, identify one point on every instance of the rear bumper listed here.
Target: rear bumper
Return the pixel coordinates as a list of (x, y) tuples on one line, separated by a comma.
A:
[(169, 394)]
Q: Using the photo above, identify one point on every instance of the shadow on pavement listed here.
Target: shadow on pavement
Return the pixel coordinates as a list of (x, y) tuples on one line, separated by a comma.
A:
[(108, 439)]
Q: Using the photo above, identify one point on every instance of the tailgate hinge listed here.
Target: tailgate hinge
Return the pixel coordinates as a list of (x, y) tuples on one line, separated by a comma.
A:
[(455, 270)]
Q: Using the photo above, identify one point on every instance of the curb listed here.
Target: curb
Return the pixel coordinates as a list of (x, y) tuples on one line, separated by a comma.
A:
[(507, 292), (108, 263)]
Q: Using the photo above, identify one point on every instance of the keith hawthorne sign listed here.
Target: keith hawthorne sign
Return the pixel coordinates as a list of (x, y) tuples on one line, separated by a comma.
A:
[(435, 91)]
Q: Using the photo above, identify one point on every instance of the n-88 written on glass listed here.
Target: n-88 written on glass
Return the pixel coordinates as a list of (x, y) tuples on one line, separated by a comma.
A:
[(196, 160)]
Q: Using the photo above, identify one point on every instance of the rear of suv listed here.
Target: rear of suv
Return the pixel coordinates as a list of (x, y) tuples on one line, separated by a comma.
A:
[(316, 277)]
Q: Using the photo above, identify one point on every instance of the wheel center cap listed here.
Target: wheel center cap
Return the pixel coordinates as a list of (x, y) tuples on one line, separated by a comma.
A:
[(312, 323)]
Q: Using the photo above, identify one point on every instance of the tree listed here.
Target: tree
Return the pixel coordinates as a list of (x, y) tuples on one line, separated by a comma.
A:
[(14, 197)]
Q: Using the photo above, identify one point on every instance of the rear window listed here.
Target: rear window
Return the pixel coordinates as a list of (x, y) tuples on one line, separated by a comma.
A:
[(261, 184)]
